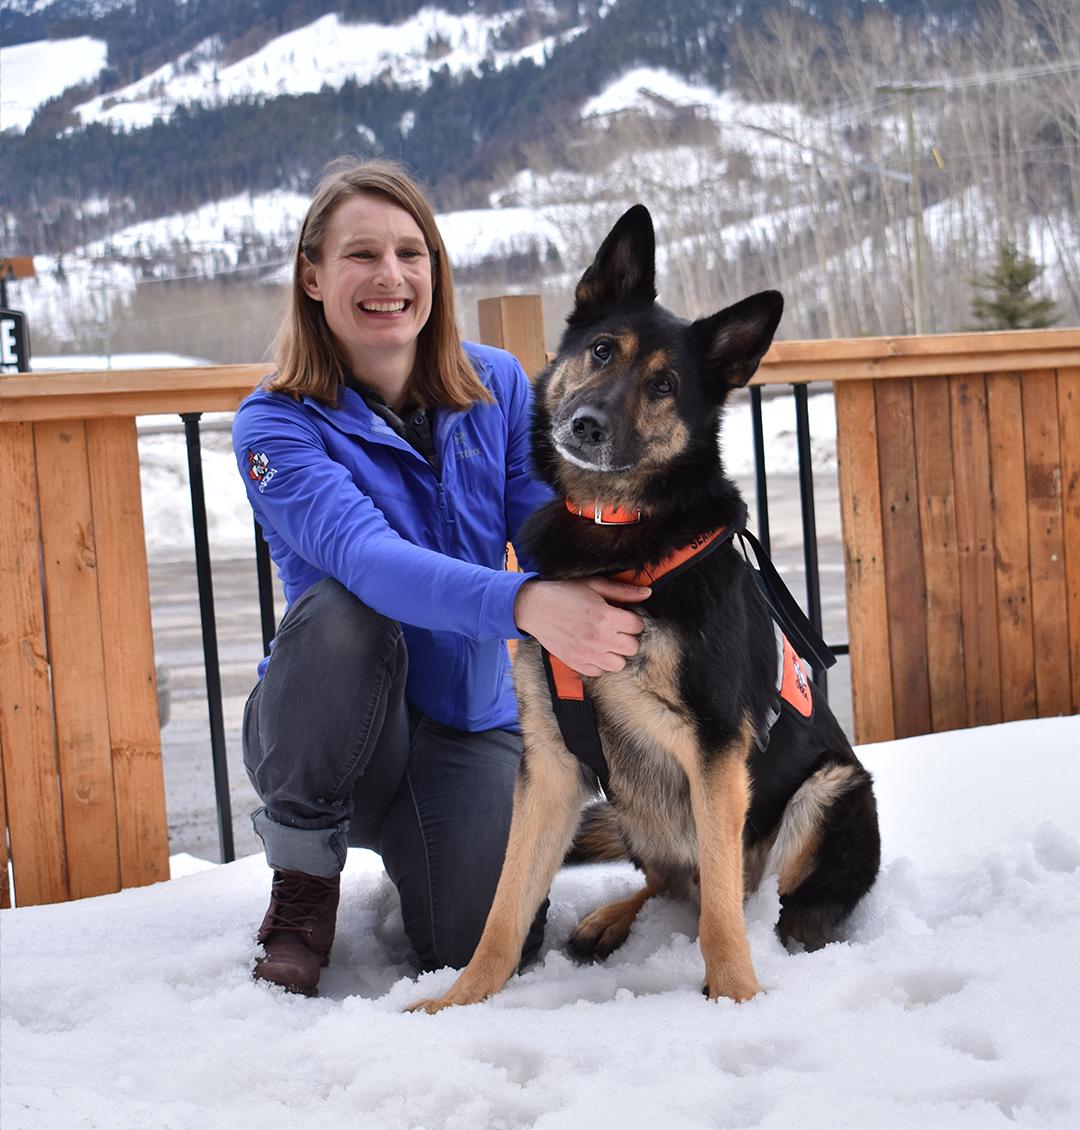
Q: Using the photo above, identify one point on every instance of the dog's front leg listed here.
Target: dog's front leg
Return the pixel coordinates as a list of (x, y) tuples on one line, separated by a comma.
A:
[(548, 799), (720, 796)]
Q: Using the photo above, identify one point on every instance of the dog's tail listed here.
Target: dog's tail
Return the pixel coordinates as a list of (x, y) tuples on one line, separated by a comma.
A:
[(597, 839)]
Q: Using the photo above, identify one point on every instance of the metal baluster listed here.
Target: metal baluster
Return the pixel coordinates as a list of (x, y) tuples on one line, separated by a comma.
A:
[(209, 634), (761, 486), (266, 588), (809, 520)]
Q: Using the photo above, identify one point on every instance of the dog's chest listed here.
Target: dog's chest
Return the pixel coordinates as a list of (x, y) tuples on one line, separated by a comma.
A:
[(650, 740)]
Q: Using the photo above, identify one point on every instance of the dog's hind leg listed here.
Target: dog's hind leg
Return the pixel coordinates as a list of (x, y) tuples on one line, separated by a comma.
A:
[(602, 932), (826, 852)]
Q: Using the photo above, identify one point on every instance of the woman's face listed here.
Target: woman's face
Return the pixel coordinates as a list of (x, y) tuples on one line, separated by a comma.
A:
[(375, 284)]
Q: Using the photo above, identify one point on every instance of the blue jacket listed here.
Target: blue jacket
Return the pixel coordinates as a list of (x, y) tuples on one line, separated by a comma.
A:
[(339, 494)]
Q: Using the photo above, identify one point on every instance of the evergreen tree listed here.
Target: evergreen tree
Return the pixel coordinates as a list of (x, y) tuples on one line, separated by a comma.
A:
[(1011, 305)]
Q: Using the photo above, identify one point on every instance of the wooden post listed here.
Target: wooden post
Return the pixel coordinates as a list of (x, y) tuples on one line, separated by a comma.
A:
[(515, 323)]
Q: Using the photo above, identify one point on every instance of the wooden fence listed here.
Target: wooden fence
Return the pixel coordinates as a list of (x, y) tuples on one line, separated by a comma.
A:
[(960, 492), (960, 498), (83, 795)]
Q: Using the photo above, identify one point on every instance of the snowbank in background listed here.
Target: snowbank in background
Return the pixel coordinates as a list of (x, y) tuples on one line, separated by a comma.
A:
[(35, 72), (951, 1004)]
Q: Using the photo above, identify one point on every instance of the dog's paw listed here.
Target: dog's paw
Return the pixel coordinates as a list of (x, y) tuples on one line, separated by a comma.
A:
[(598, 935), (430, 1005), (737, 989)]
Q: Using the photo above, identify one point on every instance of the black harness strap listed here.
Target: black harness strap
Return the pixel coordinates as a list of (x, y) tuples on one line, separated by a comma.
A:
[(577, 721), (804, 637)]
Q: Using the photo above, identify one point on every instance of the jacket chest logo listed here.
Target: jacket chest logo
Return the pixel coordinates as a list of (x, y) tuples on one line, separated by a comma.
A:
[(463, 448)]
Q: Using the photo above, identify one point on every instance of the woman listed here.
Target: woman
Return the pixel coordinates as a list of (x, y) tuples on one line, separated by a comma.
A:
[(387, 464)]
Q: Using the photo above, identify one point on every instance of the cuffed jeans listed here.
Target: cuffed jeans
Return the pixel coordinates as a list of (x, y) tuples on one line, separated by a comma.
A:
[(340, 759)]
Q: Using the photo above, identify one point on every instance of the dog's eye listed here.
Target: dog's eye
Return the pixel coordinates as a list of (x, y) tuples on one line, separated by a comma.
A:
[(602, 351), (663, 386)]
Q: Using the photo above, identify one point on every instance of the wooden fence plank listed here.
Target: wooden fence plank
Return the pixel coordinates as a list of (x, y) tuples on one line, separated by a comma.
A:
[(126, 392), (1005, 414), (975, 549), (27, 732), (1069, 424), (75, 651), (1044, 510), (937, 515), (128, 648), (515, 322), (5, 879), (905, 582), (864, 568), (928, 355)]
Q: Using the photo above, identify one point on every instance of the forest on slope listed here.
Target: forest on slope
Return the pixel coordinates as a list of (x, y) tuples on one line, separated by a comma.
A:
[(459, 132)]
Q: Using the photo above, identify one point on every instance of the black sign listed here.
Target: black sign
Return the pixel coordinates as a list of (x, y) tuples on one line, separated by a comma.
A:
[(14, 342)]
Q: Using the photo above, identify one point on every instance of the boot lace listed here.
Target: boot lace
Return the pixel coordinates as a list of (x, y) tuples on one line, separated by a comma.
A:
[(298, 900)]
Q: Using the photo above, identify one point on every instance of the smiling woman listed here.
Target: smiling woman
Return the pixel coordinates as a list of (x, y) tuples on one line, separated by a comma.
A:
[(374, 282), (352, 204)]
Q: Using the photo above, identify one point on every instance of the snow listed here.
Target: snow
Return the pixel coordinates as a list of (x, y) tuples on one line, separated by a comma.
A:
[(327, 52), (951, 1003), (35, 72)]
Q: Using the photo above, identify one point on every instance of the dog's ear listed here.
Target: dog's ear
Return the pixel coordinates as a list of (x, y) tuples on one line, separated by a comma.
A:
[(734, 341), (624, 270)]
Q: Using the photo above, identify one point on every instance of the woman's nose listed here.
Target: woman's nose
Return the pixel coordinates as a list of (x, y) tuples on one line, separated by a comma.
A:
[(388, 270)]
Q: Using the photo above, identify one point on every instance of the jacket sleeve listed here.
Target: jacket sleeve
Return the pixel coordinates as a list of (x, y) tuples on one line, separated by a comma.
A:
[(310, 505)]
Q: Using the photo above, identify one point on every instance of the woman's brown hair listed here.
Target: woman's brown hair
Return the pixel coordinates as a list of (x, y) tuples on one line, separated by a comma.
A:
[(309, 360)]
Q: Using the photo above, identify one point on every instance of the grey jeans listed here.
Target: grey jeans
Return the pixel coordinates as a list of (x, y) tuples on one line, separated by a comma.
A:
[(340, 759)]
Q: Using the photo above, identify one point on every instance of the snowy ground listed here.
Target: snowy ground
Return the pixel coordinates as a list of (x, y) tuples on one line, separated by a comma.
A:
[(952, 1003)]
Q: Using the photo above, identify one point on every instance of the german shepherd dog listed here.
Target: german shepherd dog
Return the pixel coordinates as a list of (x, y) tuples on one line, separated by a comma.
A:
[(712, 782)]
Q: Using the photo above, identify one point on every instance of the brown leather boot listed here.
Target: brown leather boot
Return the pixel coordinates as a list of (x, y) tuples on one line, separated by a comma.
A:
[(298, 930)]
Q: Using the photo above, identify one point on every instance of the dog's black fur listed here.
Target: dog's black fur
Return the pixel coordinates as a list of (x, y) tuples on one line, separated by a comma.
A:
[(703, 796)]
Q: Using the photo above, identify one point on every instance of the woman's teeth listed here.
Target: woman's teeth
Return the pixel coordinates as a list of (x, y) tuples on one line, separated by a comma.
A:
[(384, 307)]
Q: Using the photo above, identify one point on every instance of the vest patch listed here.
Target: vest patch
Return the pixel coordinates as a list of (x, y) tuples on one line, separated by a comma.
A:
[(794, 685)]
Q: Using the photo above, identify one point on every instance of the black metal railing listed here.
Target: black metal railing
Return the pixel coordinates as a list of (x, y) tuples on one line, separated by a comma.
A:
[(806, 500), (266, 591)]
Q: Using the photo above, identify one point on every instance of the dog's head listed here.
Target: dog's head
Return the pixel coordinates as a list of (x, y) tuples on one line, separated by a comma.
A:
[(636, 392)]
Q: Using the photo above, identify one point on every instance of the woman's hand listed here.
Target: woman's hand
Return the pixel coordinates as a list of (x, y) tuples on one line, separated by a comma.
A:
[(582, 622)]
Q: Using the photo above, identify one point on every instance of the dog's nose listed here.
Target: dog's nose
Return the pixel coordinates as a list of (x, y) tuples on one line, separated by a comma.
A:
[(590, 425)]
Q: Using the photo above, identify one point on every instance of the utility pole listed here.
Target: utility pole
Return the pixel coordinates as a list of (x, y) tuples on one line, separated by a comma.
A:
[(908, 90)]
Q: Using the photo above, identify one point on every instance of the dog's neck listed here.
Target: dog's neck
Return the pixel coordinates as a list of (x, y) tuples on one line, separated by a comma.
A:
[(603, 515)]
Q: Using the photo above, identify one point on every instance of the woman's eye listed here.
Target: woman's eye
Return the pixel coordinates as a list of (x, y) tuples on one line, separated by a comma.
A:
[(602, 351)]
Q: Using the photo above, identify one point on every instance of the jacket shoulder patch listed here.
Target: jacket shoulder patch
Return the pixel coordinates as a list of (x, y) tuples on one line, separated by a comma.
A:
[(259, 468)]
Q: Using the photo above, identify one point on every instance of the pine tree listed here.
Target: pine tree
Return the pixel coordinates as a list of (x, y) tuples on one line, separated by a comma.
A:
[(1012, 305)]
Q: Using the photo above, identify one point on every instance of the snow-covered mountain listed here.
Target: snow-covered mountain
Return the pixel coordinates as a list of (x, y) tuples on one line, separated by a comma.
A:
[(749, 187), (326, 52)]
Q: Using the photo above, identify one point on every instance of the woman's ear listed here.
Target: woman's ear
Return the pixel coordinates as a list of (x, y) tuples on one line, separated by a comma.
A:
[(309, 278)]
